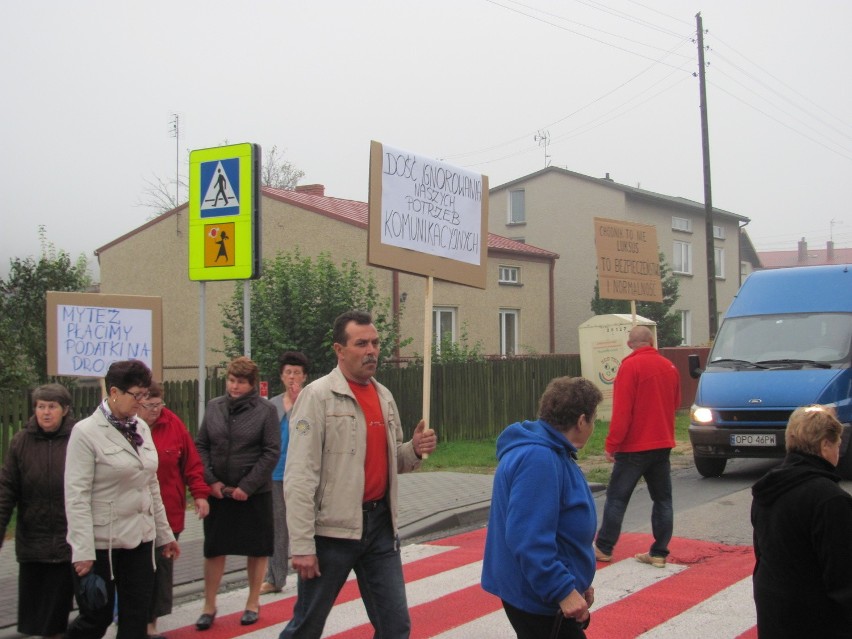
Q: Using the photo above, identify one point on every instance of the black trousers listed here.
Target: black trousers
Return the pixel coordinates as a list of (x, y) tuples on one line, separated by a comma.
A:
[(531, 626), (163, 592), (134, 582)]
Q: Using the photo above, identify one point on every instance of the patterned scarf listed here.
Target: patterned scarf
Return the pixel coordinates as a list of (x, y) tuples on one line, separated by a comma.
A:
[(126, 427)]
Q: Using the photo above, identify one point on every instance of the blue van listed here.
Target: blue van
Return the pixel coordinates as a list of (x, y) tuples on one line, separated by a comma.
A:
[(785, 342)]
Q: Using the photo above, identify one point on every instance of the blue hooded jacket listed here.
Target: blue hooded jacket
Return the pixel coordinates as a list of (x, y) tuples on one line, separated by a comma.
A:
[(542, 523)]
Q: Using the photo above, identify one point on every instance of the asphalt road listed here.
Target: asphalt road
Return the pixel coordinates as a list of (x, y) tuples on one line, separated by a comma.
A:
[(714, 508)]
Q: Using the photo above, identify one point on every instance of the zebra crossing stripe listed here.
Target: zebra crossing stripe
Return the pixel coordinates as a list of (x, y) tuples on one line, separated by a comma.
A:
[(704, 591)]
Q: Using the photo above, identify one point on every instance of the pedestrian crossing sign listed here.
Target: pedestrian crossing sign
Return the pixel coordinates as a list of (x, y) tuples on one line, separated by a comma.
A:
[(224, 213), (221, 196)]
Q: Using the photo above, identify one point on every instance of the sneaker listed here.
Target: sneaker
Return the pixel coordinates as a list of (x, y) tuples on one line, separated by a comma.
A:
[(601, 555), (656, 562)]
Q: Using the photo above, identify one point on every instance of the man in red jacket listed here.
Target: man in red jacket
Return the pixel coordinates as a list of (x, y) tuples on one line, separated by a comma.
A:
[(641, 436)]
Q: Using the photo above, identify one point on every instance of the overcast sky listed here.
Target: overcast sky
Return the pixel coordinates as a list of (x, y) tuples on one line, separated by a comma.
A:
[(90, 89)]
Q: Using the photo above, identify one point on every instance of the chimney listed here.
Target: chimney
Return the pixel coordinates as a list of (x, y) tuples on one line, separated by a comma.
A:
[(312, 189), (829, 251), (803, 251)]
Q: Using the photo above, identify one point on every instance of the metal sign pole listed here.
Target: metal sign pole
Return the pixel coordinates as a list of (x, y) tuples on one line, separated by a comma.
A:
[(202, 368)]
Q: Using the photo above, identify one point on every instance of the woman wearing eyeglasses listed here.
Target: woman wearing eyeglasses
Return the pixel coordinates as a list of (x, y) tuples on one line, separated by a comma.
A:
[(116, 517), (180, 468)]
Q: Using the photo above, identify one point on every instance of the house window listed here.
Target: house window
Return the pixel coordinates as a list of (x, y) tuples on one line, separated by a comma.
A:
[(510, 275), (508, 332), (682, 224), (682, 257), (719, 262), (517, 207), (718, 232), (443, 326), (685, 328)]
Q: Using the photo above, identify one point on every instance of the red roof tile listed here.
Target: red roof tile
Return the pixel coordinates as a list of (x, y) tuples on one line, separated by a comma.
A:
[(815, 257)]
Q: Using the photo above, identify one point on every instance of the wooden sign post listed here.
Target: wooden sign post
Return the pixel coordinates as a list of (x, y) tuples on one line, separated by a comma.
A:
[(428, 218)]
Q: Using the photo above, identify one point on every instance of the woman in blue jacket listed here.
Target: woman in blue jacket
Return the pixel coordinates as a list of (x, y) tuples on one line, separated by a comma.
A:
[(538, 551)]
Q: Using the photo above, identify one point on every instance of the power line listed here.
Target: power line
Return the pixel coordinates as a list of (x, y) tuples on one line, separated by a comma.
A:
[(783, 97), (782, 82), (784, 124), (575, 32), (787, 113)]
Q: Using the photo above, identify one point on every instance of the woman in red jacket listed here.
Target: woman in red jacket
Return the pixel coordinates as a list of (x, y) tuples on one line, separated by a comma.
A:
[(180, 467)]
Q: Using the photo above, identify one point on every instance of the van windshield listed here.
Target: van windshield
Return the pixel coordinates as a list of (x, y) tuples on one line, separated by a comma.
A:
[(819, 338)]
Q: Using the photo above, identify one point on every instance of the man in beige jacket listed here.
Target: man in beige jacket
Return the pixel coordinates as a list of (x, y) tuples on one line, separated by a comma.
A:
[(340, 487)]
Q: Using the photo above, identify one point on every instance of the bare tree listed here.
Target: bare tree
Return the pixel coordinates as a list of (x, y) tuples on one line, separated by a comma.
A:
[(277, 172), (160, 195)]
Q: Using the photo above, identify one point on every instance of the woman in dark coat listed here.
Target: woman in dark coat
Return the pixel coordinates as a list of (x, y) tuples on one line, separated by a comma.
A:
[(32, 479), (239, 443), (802, 530)]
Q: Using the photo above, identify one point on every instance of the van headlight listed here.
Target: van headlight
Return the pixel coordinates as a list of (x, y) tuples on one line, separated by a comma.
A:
[(701, 415)]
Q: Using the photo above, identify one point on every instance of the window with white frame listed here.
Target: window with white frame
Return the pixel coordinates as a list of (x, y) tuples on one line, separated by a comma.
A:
[(517, 207), (685, 328), (682, 257), (443, 325), (682, 224), (718, 232), (509, 275), (719, 262), (508, 332)]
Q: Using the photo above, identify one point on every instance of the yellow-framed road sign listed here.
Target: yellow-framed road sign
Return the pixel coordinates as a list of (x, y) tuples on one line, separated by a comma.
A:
[(224, 213)]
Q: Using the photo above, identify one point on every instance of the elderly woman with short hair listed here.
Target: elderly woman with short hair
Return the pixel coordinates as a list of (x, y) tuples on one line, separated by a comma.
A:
[(180, 469), (802, 530), (32, 481), (239, 442), (538, 550)]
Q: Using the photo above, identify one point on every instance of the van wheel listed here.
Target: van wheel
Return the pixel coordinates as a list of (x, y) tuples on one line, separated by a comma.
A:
[(710, 466)]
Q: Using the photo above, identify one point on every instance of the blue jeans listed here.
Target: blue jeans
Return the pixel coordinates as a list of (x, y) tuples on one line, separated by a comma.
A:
[(654, 466), (378, 568)]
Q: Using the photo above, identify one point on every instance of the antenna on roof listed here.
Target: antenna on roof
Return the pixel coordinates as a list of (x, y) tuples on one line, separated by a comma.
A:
[(175, 133), (543, 139), (831, 225)]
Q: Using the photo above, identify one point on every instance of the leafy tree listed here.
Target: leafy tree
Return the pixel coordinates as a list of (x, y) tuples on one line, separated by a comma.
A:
[(294, 305), (668, 323), (23, 327), (278, 173)]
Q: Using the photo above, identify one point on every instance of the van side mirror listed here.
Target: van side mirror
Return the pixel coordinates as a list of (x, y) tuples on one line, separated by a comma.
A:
[(694, 365)]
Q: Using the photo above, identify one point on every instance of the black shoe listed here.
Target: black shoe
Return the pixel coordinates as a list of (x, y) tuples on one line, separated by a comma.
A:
[(205, 621), (249, 617)]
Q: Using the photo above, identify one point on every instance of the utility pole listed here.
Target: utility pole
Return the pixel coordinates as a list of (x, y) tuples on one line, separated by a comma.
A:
[(713, 322)]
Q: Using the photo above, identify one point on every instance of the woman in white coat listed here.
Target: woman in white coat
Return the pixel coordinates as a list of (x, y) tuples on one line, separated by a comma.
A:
[(115, 514)]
